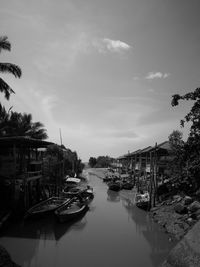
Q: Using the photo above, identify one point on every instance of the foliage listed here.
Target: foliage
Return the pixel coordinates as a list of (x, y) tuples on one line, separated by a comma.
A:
[(18, 124), (100, 162), (92, 162), (178, 152), (7, 68), (192, 145), (60, 157)]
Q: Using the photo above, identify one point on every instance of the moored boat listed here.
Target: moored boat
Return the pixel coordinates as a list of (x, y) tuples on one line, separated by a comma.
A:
[(87, 195), (115, 186), (47, 206), (127, 185), (72, 210), (142, 200), (71, 192)]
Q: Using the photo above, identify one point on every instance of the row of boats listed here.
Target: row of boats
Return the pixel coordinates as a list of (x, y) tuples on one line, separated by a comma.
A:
[(116, 183), (72, 203)]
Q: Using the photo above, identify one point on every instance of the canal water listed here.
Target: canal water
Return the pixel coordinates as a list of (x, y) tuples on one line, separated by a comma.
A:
[(113, 233)]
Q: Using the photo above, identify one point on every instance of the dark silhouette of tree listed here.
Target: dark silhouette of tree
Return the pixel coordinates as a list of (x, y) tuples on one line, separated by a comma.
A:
[(17, 124), (7, 68), (92, 162), (178, 153)]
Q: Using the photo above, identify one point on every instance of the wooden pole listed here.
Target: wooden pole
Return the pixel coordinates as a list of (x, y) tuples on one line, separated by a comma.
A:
[(151, 182)]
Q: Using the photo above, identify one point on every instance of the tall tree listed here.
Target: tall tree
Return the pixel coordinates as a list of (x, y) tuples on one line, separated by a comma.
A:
[(192, 146), (7, 68), (178, 152)]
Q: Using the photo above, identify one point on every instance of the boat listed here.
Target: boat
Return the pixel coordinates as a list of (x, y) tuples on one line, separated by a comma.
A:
[(127, 185), (47, 206), (71, 192), (142, 200), (115, 186), (87, 195), (72, 210), (107, 179), (72, 182)]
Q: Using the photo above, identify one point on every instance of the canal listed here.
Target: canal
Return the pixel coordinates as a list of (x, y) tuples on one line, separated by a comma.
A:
[(113, 233)]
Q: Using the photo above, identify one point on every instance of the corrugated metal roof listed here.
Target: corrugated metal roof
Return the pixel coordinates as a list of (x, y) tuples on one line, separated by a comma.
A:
[(164, 146), (23, 141)]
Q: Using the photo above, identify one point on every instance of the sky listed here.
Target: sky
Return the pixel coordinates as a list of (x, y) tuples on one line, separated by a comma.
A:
[(103, 72)]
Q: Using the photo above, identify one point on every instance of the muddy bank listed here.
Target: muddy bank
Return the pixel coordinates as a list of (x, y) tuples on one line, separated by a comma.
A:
[(187, 252), (177, 215)]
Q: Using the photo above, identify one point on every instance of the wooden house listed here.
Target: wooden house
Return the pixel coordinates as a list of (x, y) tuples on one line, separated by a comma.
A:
[(21, 169)]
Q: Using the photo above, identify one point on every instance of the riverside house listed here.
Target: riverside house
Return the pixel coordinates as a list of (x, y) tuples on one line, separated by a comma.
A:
[(21, 174), (149, 160)]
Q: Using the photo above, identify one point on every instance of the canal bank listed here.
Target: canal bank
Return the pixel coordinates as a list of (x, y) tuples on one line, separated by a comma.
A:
[(187, 252)]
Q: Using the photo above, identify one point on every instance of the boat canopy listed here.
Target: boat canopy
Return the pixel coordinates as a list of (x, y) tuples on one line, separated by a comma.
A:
[(72, 180)]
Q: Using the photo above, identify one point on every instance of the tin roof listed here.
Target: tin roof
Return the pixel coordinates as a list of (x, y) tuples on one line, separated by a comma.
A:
[(23, 141)]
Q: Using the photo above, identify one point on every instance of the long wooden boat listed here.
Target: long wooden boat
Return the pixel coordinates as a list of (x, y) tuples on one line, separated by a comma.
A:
[(71, 211), (47, 206)]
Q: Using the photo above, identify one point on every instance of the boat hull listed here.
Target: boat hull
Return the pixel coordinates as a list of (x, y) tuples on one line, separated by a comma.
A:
[(114, 186), (46, 207), (71, 211)]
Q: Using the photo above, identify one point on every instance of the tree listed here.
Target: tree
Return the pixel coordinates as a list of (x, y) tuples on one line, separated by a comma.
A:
[(4, 117), (177, 147), (7, 68), (17, 124), (92, 162), (192, 145)]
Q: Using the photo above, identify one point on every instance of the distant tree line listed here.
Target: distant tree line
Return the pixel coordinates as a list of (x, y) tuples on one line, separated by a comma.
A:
[(100, 162)]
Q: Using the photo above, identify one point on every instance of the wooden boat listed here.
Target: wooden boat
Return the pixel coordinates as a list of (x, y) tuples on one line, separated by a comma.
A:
[(72, 182), (115, 186), (87, 195), (72, 210), (142, 200), (47, 206), (71, 192), (127, 186)]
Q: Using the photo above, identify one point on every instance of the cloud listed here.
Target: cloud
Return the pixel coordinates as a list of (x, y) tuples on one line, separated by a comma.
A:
[(156, 75), (109, 45)]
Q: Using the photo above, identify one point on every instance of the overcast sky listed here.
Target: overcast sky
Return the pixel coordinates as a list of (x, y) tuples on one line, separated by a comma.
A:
[(102, 71)]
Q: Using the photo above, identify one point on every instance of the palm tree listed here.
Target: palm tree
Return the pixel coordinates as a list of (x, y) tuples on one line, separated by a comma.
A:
[(7, 68), (21, 125)]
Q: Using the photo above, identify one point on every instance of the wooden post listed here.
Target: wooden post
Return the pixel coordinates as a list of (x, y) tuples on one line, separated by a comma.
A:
[(15, 176), (151, 182), (155, 175)]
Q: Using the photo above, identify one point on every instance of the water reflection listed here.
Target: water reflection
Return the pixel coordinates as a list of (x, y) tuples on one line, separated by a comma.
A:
[(152, 233), (113, 233), (113, 196), (45, 228)]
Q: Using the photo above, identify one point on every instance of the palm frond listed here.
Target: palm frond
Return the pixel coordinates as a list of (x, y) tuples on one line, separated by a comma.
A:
[(4, 43), (6, 89), (11, 68)]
